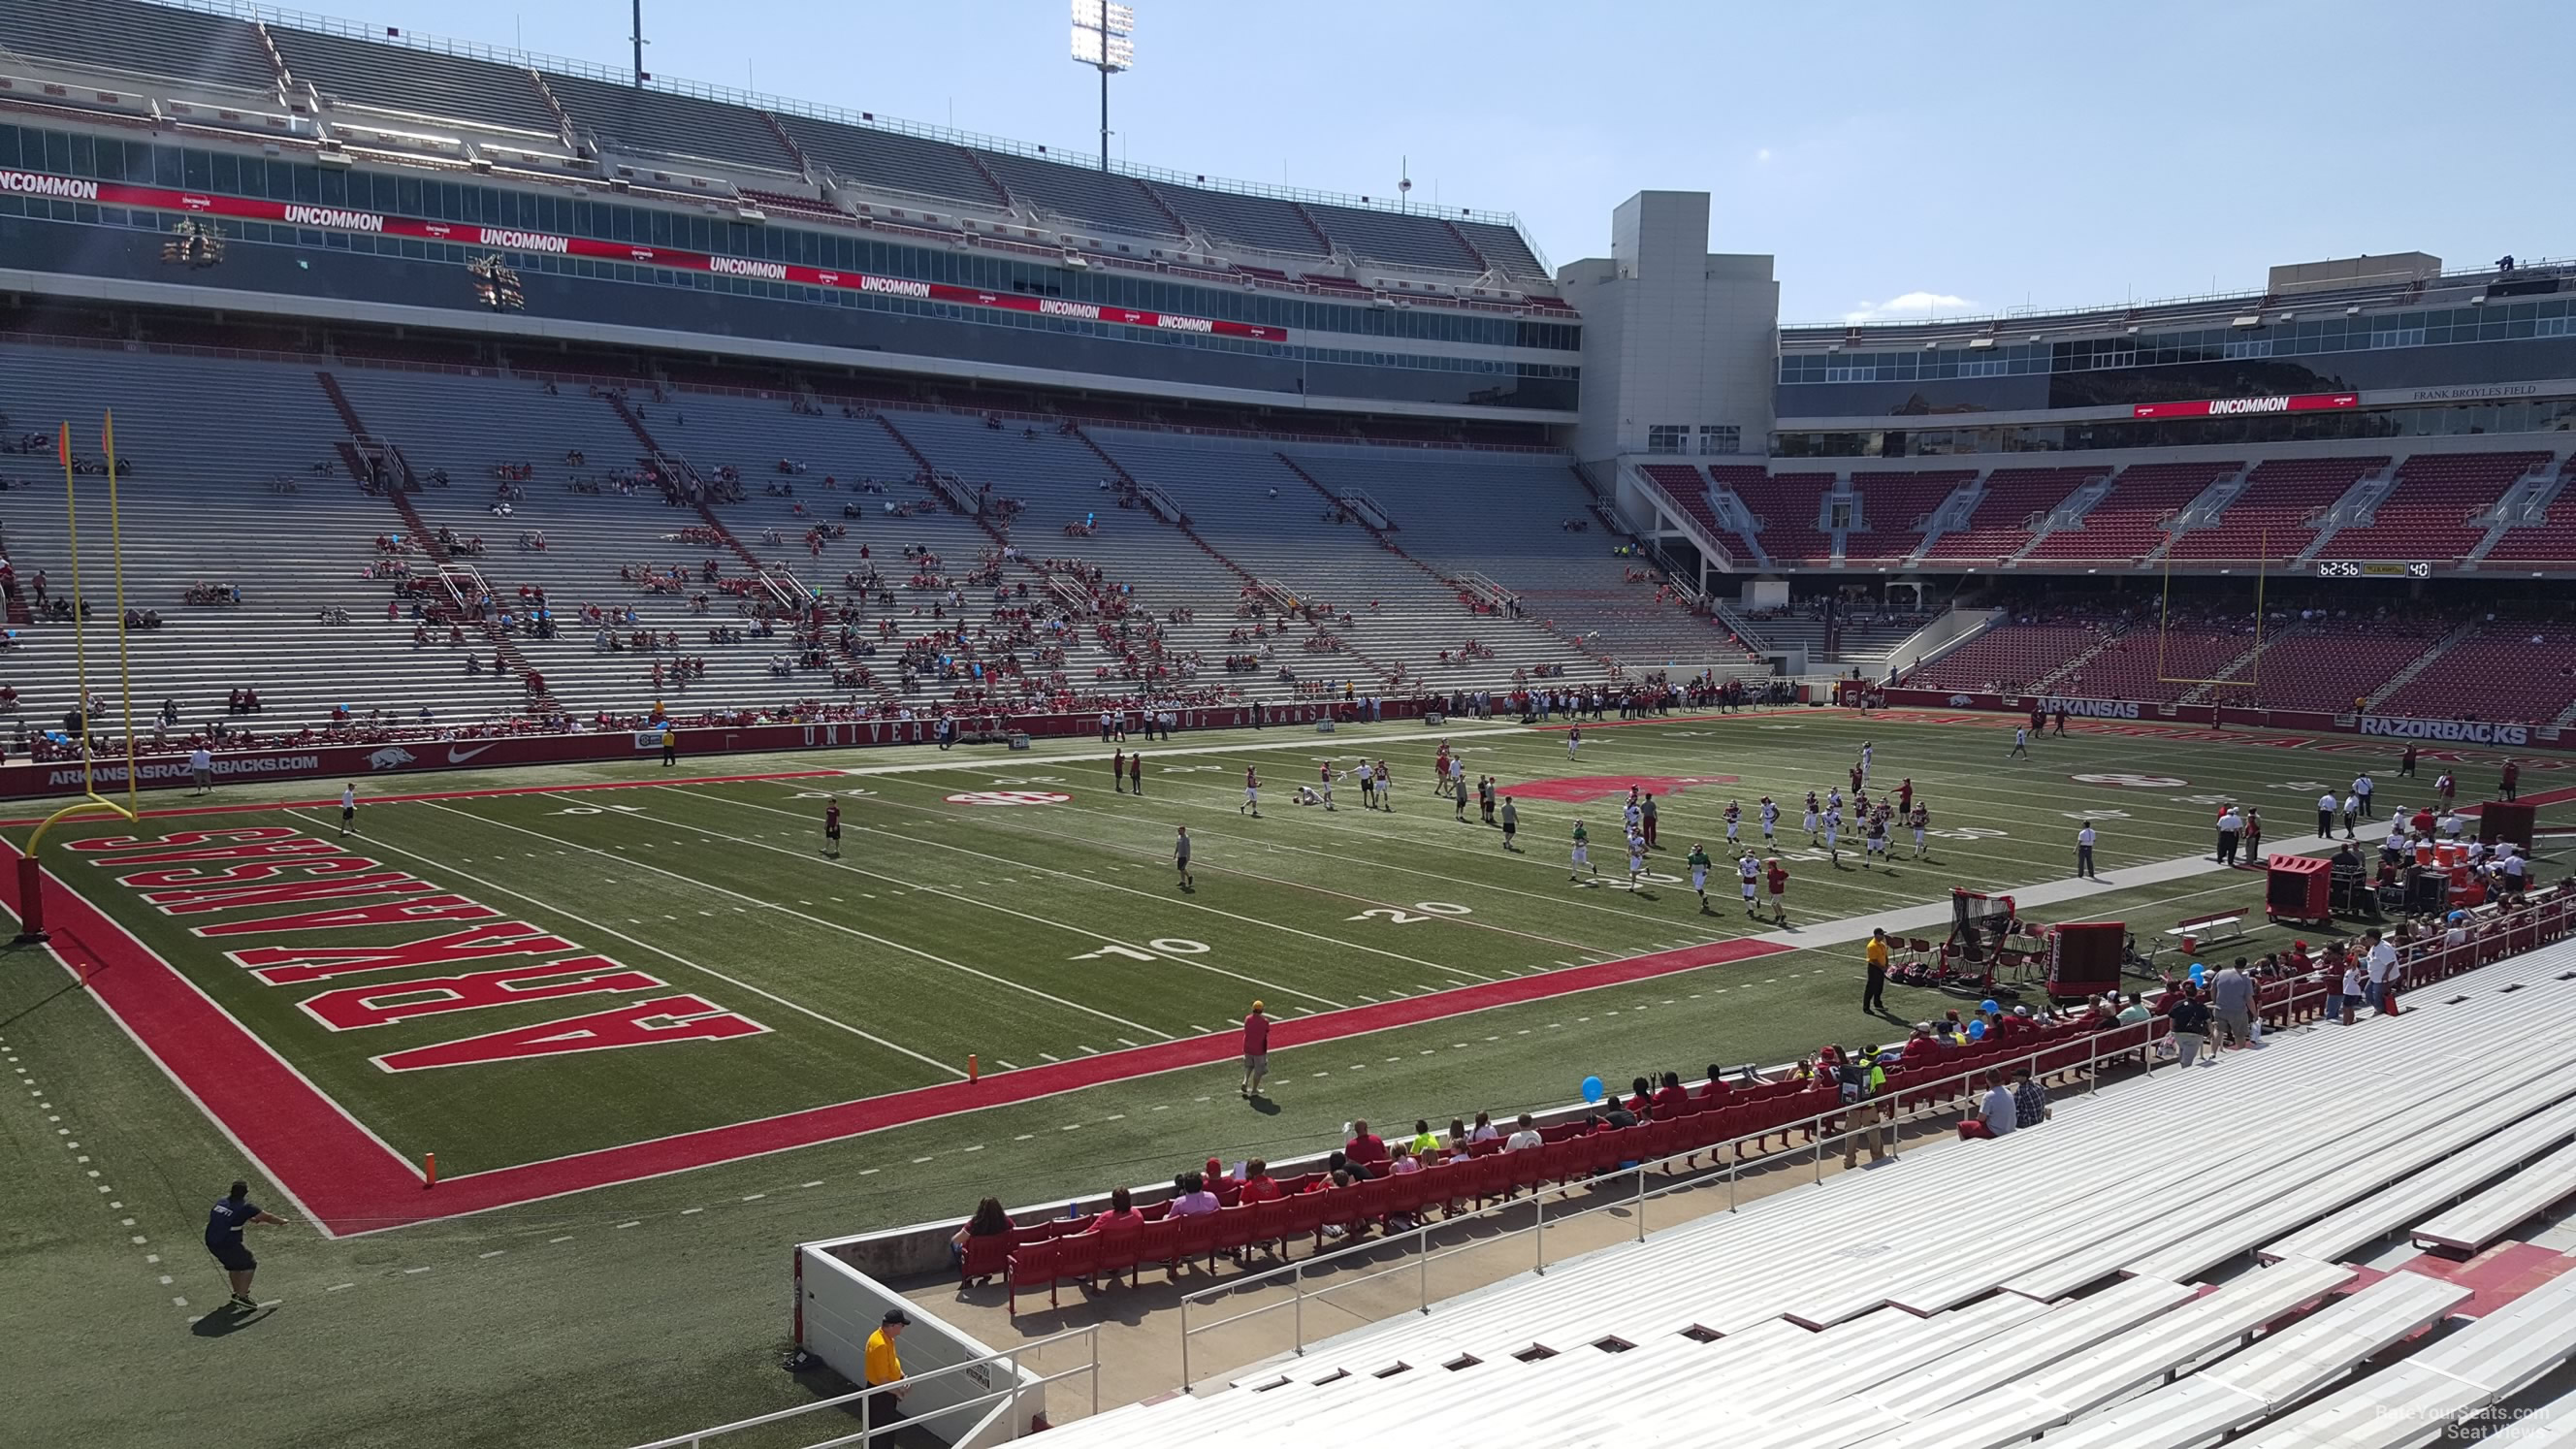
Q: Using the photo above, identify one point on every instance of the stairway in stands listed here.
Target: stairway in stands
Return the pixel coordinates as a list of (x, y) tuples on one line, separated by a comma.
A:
[(398, 491), (1181, 522), (626, 414), (1387, 541)]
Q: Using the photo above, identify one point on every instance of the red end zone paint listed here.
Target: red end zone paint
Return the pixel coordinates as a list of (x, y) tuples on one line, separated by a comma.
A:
[(351, 1182), (1579, 789)]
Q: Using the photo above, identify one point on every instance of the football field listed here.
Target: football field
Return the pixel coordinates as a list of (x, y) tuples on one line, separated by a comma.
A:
[(570, 982)]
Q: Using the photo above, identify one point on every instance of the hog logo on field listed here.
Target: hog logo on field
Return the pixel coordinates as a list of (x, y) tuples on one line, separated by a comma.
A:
[(1582, 788), (391, 757), (1962, 701)]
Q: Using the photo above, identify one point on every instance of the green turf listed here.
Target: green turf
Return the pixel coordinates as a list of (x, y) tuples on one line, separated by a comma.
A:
[(946, 930)]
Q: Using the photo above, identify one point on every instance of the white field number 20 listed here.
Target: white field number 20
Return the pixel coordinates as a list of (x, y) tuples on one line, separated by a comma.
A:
[(1396, 917)]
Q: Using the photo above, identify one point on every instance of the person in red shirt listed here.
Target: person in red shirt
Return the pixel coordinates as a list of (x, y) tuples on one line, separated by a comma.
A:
[(1258, 1184), (1256, 1051), (1641, 1098), (2511, 779), (1670, 1100), (1921, 1047), (1905, 795), (1715, 1089), (1778, 875), (1122, 1213), (1365, 1152)]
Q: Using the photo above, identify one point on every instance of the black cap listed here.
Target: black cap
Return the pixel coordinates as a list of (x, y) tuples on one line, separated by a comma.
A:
[(896, 1318)]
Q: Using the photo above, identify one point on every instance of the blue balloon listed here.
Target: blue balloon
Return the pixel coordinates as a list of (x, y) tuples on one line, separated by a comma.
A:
[(1988, 1005), (2199, 973), (1977, 1030), (1592, 1089)]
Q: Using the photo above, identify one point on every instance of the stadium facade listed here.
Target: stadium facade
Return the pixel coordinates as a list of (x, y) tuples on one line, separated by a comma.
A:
[(364, 179)]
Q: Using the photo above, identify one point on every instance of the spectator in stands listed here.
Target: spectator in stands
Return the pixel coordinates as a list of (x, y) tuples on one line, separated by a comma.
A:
[(1365, 1151), (2030, 1100), (989, 1221), (2190, 1017), (1524, 1136), (2231, 993), (1485, 1130), (2378, 962), (1424, 1142), (1996, 1113), (1191, 1197), (1122, 1212)]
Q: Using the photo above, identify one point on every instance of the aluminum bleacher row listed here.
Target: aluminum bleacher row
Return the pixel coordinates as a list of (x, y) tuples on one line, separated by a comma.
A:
[(2159, 1266), (209, 440)]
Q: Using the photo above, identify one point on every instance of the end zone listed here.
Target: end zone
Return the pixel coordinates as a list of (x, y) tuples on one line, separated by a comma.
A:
[(349, 1181)]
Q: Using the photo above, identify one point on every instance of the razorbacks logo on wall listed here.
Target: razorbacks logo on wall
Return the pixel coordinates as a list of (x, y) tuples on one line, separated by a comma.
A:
[(2458, 731), (1581, 788)]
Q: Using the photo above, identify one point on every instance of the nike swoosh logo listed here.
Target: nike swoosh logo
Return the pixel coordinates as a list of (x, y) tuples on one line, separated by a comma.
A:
[(456, 756)]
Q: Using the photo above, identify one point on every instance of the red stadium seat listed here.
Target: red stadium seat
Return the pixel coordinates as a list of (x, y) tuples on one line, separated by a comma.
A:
[(1030, 1265), (1199, 1237), (986, 1256)]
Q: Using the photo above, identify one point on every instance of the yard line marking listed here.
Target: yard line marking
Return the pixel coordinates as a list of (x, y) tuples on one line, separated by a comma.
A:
[(851, 931), (496, 1252), (566, 1238), (1085, 932), (666, 954), (818, 1182), (336, 1287), (1022, 827), (757, 1196), (407, 1272), (684, 1212), (1335, 942)]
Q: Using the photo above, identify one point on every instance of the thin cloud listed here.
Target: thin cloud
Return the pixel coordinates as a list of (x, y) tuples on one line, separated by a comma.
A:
[(1910, 305), (1763, 155)]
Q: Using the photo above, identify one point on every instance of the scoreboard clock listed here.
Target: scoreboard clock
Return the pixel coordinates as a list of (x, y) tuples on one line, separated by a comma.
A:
[(2371, 569)]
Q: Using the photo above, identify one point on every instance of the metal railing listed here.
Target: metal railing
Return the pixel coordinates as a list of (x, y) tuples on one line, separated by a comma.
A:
[(869, 1433), (2508, 931), (1885, 1115), (2511, 931)]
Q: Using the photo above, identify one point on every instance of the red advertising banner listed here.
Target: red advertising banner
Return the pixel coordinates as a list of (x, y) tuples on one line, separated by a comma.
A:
[(511, 239), (2231, 407), (35, 779)]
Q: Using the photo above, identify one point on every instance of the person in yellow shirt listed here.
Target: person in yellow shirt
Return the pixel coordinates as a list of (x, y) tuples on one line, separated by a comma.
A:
[(884, 1369), (670, 746), (1874, 996)]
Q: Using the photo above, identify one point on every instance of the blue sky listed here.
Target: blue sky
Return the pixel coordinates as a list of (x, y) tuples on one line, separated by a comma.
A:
[(1898, 159)]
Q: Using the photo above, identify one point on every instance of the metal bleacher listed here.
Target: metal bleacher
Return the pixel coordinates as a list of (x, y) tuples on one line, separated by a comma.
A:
[(430, 83), (1913, 1305), (136, 39), (666, 123), (208, 440), (892, 160)]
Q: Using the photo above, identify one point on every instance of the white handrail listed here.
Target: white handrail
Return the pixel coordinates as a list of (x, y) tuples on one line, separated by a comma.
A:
[(1014, 1386)]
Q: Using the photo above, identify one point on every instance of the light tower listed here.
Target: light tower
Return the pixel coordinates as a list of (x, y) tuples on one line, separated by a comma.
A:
[(1104, 38)]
